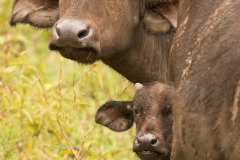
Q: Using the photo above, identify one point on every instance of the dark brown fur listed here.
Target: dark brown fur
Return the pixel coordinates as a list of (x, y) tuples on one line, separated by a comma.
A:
[(206, 67)]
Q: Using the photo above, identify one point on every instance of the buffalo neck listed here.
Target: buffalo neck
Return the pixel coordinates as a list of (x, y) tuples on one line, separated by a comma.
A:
[(147, 58)]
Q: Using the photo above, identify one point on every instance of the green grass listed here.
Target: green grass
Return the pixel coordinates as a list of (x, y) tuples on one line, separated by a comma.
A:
[(48, 103)]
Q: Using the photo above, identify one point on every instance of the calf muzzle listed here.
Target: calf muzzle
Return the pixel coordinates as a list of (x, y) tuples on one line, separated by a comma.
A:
[(148, 146)]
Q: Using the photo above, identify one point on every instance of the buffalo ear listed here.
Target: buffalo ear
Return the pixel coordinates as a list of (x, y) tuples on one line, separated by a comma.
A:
[(116, 115), (38, 13), (154, 23), (161, 18)]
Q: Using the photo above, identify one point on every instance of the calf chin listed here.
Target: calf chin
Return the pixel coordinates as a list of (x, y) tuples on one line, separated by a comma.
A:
[(152, 156)]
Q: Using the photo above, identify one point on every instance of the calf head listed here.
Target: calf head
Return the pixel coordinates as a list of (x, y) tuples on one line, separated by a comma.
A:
[(117, 32), (151, 111)]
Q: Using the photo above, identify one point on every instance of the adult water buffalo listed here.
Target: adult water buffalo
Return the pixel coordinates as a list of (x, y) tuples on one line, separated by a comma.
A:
[(206, 67), (131, 36)]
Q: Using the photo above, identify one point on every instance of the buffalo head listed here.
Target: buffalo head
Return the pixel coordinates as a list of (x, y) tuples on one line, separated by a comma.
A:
[(124, 34)]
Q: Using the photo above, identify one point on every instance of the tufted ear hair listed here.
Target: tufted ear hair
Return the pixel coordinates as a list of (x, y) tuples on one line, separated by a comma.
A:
[(116, 115), (38, 13), (160, 15)]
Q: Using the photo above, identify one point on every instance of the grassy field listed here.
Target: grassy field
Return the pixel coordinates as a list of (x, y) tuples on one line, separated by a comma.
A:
[(48, 103)]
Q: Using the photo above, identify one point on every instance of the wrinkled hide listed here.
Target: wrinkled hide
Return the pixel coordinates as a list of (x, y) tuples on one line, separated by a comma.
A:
[(206, 70)]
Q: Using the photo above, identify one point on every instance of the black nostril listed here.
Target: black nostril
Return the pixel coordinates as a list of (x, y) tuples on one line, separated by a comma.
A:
[(138, 141), (83, 33), (58, 31), (153, 141)]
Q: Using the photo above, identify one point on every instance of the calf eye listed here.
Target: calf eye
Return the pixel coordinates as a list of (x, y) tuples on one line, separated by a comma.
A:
[(135, 111), (167, 110)]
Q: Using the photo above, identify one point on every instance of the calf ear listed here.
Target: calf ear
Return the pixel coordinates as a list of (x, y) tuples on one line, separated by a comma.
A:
[(39, 13), (161, 18), (116, 115)]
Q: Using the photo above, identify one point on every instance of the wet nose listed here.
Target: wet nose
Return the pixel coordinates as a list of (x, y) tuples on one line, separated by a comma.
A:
[(69, 33), (146, 140)]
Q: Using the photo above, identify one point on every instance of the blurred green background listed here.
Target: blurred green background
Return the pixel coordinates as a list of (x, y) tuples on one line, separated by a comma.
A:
[(48, 103)]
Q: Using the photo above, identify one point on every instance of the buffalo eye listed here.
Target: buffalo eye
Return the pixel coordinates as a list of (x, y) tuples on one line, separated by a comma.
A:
[(135, 111), (167, 110)]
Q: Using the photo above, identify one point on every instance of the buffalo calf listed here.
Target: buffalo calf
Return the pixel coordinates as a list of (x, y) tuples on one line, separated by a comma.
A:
[(150, 109)]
